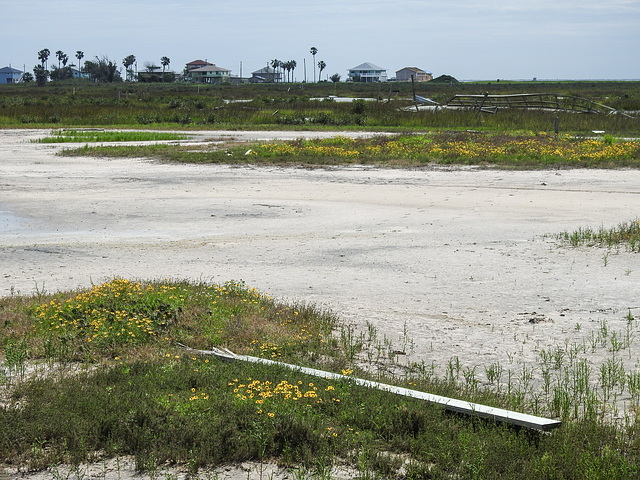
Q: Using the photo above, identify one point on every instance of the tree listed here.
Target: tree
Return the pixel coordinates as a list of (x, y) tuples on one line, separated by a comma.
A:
[(60, 55), (275, 63), (79, 56), (335, 78), (127, 62), (41, 75), (27, 77), (313, 52), (292, 64), (164, 61), (43, 56), (321, 67), (102, 70)]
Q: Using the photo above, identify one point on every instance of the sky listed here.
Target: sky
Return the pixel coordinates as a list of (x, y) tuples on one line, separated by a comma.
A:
[(468, 39)]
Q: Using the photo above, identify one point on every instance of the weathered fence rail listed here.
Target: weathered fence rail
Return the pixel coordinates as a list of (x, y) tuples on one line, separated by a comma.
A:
[(533, 101)]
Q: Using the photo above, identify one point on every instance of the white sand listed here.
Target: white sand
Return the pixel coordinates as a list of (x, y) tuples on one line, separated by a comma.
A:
[(459, 256)]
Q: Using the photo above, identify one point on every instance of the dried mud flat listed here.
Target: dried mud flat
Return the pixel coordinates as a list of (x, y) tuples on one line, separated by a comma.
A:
[(444, 263)]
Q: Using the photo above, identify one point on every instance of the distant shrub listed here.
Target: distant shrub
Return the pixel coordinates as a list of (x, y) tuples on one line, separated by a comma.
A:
[(29, 119)]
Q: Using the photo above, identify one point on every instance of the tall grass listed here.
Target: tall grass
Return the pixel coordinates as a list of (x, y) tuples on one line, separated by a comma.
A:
[(626, 234)]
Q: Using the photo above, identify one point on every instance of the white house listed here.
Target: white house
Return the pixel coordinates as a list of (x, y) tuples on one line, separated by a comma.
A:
[(367, 72), (9, 75)]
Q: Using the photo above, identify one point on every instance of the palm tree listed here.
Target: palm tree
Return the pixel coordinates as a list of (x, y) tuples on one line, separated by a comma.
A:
[(275, 63), (43, 56), (79, 56), (164, 61), (293, 64), (127, 62), (59, 54), (313, 52), (321, 66)]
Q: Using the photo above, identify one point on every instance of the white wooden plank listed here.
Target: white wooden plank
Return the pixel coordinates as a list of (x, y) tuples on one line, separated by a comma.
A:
[(451, 404)]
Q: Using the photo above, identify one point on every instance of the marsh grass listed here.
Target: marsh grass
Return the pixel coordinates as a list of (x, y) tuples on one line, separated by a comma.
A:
[(523, 150), (144, 396), (302, 106), (625, 234), (84, 136)]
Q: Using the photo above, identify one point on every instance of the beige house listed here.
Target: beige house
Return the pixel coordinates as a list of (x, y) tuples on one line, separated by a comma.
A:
[(210, 74), (419, 75), (200, 71)]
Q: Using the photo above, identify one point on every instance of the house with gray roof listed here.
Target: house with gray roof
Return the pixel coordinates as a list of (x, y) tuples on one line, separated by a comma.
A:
[(367, 72), (265, 75), (9, 75)]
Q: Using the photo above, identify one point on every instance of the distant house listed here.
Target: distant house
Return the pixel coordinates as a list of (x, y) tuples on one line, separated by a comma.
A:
[(78, 74), (208, 74), (419, 75), (196, 64), (9, 75), (367, 72), (265, 75)]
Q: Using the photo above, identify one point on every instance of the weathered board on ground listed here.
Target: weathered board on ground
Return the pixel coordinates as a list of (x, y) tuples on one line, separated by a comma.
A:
[(451, 404)]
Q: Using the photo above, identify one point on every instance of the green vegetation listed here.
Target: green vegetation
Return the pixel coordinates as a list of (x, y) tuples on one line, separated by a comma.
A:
[(303, 106), (100, 372), (625, 234), (75, 136), (524, 150)]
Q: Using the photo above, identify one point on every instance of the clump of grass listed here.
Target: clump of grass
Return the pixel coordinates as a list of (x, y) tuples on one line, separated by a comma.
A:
[(89, 136), (624, 234)]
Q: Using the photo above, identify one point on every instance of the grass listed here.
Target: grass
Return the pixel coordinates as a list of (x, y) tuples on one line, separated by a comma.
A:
[(83, 136), (625, 234), (303, 106), (99, 373), (522, 150)]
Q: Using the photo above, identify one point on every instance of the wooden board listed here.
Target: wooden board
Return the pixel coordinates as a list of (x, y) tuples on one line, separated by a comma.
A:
[(451, 404)]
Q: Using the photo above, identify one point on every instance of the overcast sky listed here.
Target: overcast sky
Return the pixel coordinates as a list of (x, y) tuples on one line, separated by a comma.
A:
[(469, 39)]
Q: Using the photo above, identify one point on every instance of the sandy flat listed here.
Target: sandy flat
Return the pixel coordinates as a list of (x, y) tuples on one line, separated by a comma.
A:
[(455, 253)]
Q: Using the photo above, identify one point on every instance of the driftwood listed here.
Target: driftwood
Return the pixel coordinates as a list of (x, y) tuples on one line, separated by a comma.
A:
[(451, 404)]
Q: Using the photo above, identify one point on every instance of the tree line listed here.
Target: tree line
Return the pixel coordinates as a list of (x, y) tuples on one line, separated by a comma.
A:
[(104, 70)]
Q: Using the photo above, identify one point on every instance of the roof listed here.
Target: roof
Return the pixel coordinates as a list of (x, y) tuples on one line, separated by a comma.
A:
[(414, 69), (198, 62), (9, 70), (210, 68), (264, 70), (367, 66)]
